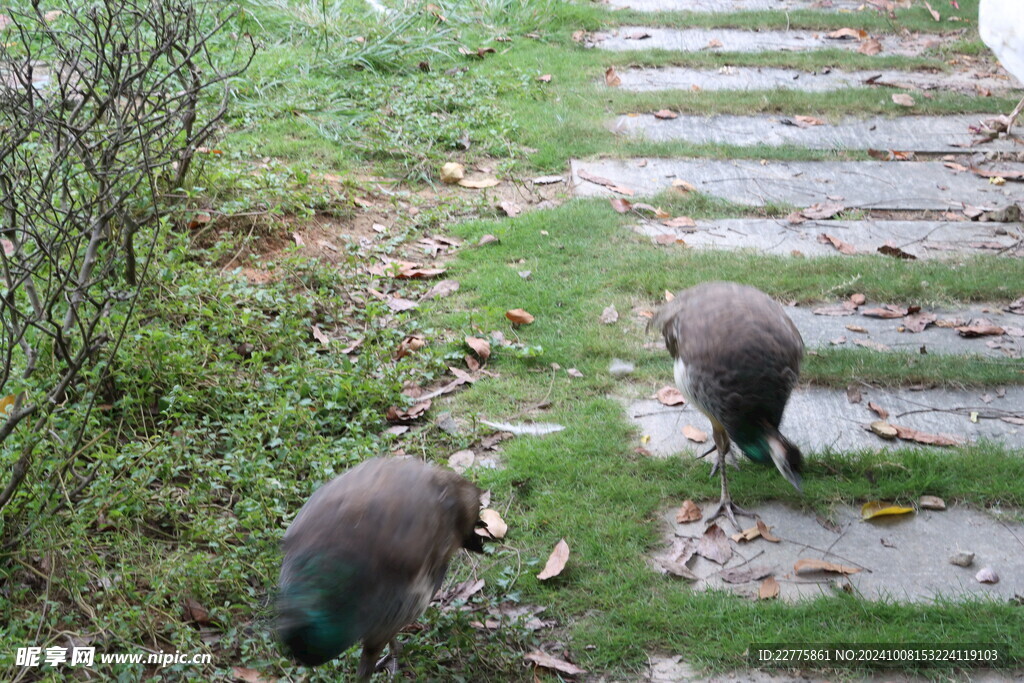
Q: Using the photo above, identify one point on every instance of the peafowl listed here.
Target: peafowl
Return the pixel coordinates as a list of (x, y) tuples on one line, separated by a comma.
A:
[(365, 555), (737, 357)]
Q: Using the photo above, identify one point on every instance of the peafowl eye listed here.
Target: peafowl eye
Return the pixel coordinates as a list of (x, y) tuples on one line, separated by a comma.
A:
[(737, 358), (365, 555)]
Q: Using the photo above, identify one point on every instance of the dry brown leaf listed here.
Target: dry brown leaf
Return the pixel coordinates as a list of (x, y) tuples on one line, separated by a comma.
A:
[(410, 344), (653, 210), (667, 239), (670, 396), (676, 568), (395, 414), (694, 434), (609, 315), (479, 182), (604, 182), (665, 114), (935, 15), (714, 42), (518, 316), (878, 410), (809, 564), (495, 524), (554, 663), (769, 589), (766, 533), (871, 344), (556, 561), (680, 222), (481, 347), (822, 210), (510, 209), (545, 78), (858, 299), (459, 461), (843, 247), (932, 503), (452, 172), (714, 545), (980, 329), (620, 205), (611, 78), (195, 611), (857, 328), (247, 675), (884, 429), (871, 46), (688, 512), (886, 311), (903, 99), (806, 121), (745, 574), (917, 436), (683, 186), (847, 34), (896, 252), (987, 575), (918, 322), (320, 336)]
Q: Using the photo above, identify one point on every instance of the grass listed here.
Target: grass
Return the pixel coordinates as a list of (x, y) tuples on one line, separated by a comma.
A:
[(223, 412)]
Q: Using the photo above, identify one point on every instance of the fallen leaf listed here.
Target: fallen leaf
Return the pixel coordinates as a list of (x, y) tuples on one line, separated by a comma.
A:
[(481, 347), (546, 78), (519, 317), (688, 512), (821, 211), (871, 46), (495, 524), (935, 15), (847, 34), (980, 330), (677, 569), (714, 545), (556, 561), (932, 503), (809, 564), (858, 299), (909, 434), (1013, 420), (510, 209), (987, 575), (878, 410), (398, 304), (886, 311), (918, 322), (680, 222), (665, 114), (573, 372), (766, 533), (410, 344), (667, 239), (195, 611), (395, 414), (609, 315), (713, 43), (479, 182), (611, 78), (694, 434), (878, 508), (769, 589), (857, 328), (548, 180), (548, 662), (320, 336), (604, 182), (903, 99), (871, 344), (452, 172), (745, 574), (884, 429), (807, 121), (442, 289), (683, 186), (670, 396), (247, 675), (620, 205), (853, 393), (896, 252), (486, 239), (459, 461), (843, 247)]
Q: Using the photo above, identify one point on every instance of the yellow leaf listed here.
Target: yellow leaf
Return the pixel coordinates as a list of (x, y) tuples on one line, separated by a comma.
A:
[(5, 403), (769, 589), (878, 508)]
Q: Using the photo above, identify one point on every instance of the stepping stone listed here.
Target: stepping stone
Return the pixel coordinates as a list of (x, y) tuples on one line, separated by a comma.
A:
[(907, 185), (734, 5), (819, 419), (770, 78), (735, 40), (931, 134), (923, 239), (890, 334), (901, 557)]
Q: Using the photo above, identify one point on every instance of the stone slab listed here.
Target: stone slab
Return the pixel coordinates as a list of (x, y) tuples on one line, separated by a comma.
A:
[(908, 185), (931, 134), (923, 239), (734, 40), (734, 5), (825, 330), (819, 419), (832, 331), (770, 78), (902, 557)]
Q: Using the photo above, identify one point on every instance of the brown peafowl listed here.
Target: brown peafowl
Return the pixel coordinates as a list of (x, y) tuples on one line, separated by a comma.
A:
[(737, 358), (365, 555)]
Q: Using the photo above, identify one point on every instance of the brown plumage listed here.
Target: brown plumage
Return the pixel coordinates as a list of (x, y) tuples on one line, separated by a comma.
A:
[(365, 555), (737, 358)]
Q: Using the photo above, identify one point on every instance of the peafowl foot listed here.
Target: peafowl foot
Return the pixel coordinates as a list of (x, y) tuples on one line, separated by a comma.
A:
[(389, 662), (729, 509)]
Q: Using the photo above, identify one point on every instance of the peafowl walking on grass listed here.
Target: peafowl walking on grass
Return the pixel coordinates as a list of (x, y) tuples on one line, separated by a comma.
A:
[(366, 554)]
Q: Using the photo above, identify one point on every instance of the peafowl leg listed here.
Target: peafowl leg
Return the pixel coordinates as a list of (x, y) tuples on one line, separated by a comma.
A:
[(725, 504), (389, 662)]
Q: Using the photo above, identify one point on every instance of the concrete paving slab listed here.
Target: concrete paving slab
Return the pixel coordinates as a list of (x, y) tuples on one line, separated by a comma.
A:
[(901, 557), (923, 239), (932, 134), (818, 419), (907, 185), (768, 78), (734, 5), (734, 40)]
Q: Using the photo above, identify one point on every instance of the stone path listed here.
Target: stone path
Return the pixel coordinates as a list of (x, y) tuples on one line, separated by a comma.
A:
[(927, 203)]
